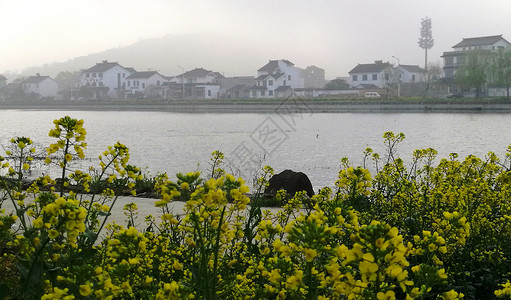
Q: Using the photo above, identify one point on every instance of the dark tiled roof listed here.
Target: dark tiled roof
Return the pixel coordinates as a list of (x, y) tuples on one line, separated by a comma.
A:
[(239, 87), (273, 64), (413, 68), (479, 41), (453, 53), (282, 88), (131, 70), (35, 79), (257, 87), (200, 72), (369, 68), (101, 67), (262, 77), (143, 75), (277, 76)]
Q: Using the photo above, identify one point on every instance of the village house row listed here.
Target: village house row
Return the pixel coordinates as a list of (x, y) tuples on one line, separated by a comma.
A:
[(276, 79)]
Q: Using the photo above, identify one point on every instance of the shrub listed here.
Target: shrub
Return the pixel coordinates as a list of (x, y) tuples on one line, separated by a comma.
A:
[(428, 231)]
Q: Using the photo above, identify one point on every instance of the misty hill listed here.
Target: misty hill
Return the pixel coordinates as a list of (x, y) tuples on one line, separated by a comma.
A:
[(228, 55)]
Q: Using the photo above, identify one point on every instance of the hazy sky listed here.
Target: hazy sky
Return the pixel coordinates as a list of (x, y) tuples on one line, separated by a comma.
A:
[(332, 34)]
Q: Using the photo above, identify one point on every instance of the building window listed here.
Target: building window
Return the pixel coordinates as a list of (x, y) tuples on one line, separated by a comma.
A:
[(413, 77), (355, 77), (375, 76), (288, 77), (270, 93), (254, 93), (123, 75), (157, 82), (101, 84), (87, 75), (270, 82), (386, 76), (100, 75), (284, 83), (143, 85), (209, 93), (364, 77), (263, 93), (129, 83), (93, 74)]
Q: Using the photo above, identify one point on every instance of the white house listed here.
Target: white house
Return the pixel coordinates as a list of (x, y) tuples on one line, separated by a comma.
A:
[(210, 91), (411, 73), (198, 75), (371, 75), (453, 59), (105, 80), (43, 86), (277, 79), (144, 83)]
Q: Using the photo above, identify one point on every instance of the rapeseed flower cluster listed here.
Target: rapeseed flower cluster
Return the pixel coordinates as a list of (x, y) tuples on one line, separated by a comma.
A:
[(404, 233)]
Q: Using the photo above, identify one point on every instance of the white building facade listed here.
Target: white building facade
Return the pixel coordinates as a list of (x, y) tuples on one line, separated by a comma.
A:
[(371, 75), (143, 83), (277, 79), (43, 86), (105, 80)]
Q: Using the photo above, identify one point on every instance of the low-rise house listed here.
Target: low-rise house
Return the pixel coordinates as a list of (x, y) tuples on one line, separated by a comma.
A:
[(198, 75), (411, 73), (454, 59), (277, 79), (105, 80), (40, 86), (377, 74), (236, 87), (206, 91), (145, 84)]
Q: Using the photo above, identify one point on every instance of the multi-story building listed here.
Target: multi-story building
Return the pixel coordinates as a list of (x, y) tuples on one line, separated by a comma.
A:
[(277, 79), (454, 59), (105, 80)]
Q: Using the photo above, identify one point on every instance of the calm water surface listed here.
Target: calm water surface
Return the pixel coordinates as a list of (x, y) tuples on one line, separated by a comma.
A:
[(314, 144)]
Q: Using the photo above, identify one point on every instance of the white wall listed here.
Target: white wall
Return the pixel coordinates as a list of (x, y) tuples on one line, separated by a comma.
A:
[(46, 88)]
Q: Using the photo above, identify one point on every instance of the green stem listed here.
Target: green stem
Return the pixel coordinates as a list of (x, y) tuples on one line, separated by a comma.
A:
[(217, 248), (63, 176)]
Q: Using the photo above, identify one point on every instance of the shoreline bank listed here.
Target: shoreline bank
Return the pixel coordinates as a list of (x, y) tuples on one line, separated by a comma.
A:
[(283, 106)]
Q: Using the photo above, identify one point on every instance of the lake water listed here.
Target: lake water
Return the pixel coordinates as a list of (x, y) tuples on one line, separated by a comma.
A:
[(311, 143)]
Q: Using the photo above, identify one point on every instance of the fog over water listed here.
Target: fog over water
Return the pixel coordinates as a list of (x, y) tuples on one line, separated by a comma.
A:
[(314, 144)]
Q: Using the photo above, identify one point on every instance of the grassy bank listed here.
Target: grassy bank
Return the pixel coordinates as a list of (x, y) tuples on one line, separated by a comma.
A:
[(317, 105)]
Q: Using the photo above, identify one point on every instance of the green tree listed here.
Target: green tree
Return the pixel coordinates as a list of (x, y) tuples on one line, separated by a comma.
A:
[(474, 72), (337, 84), (432, 75), (313, 76), (501, 70), (67, 80)]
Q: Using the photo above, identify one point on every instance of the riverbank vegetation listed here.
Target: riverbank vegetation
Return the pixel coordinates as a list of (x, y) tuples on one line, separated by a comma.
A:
[(417, 230)]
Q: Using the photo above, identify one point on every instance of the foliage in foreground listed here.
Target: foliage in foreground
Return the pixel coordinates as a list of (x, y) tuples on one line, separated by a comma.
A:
[(420, 232)]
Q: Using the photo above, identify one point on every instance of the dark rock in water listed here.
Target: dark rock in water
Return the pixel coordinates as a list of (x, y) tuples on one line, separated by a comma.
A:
[(290, 181)]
